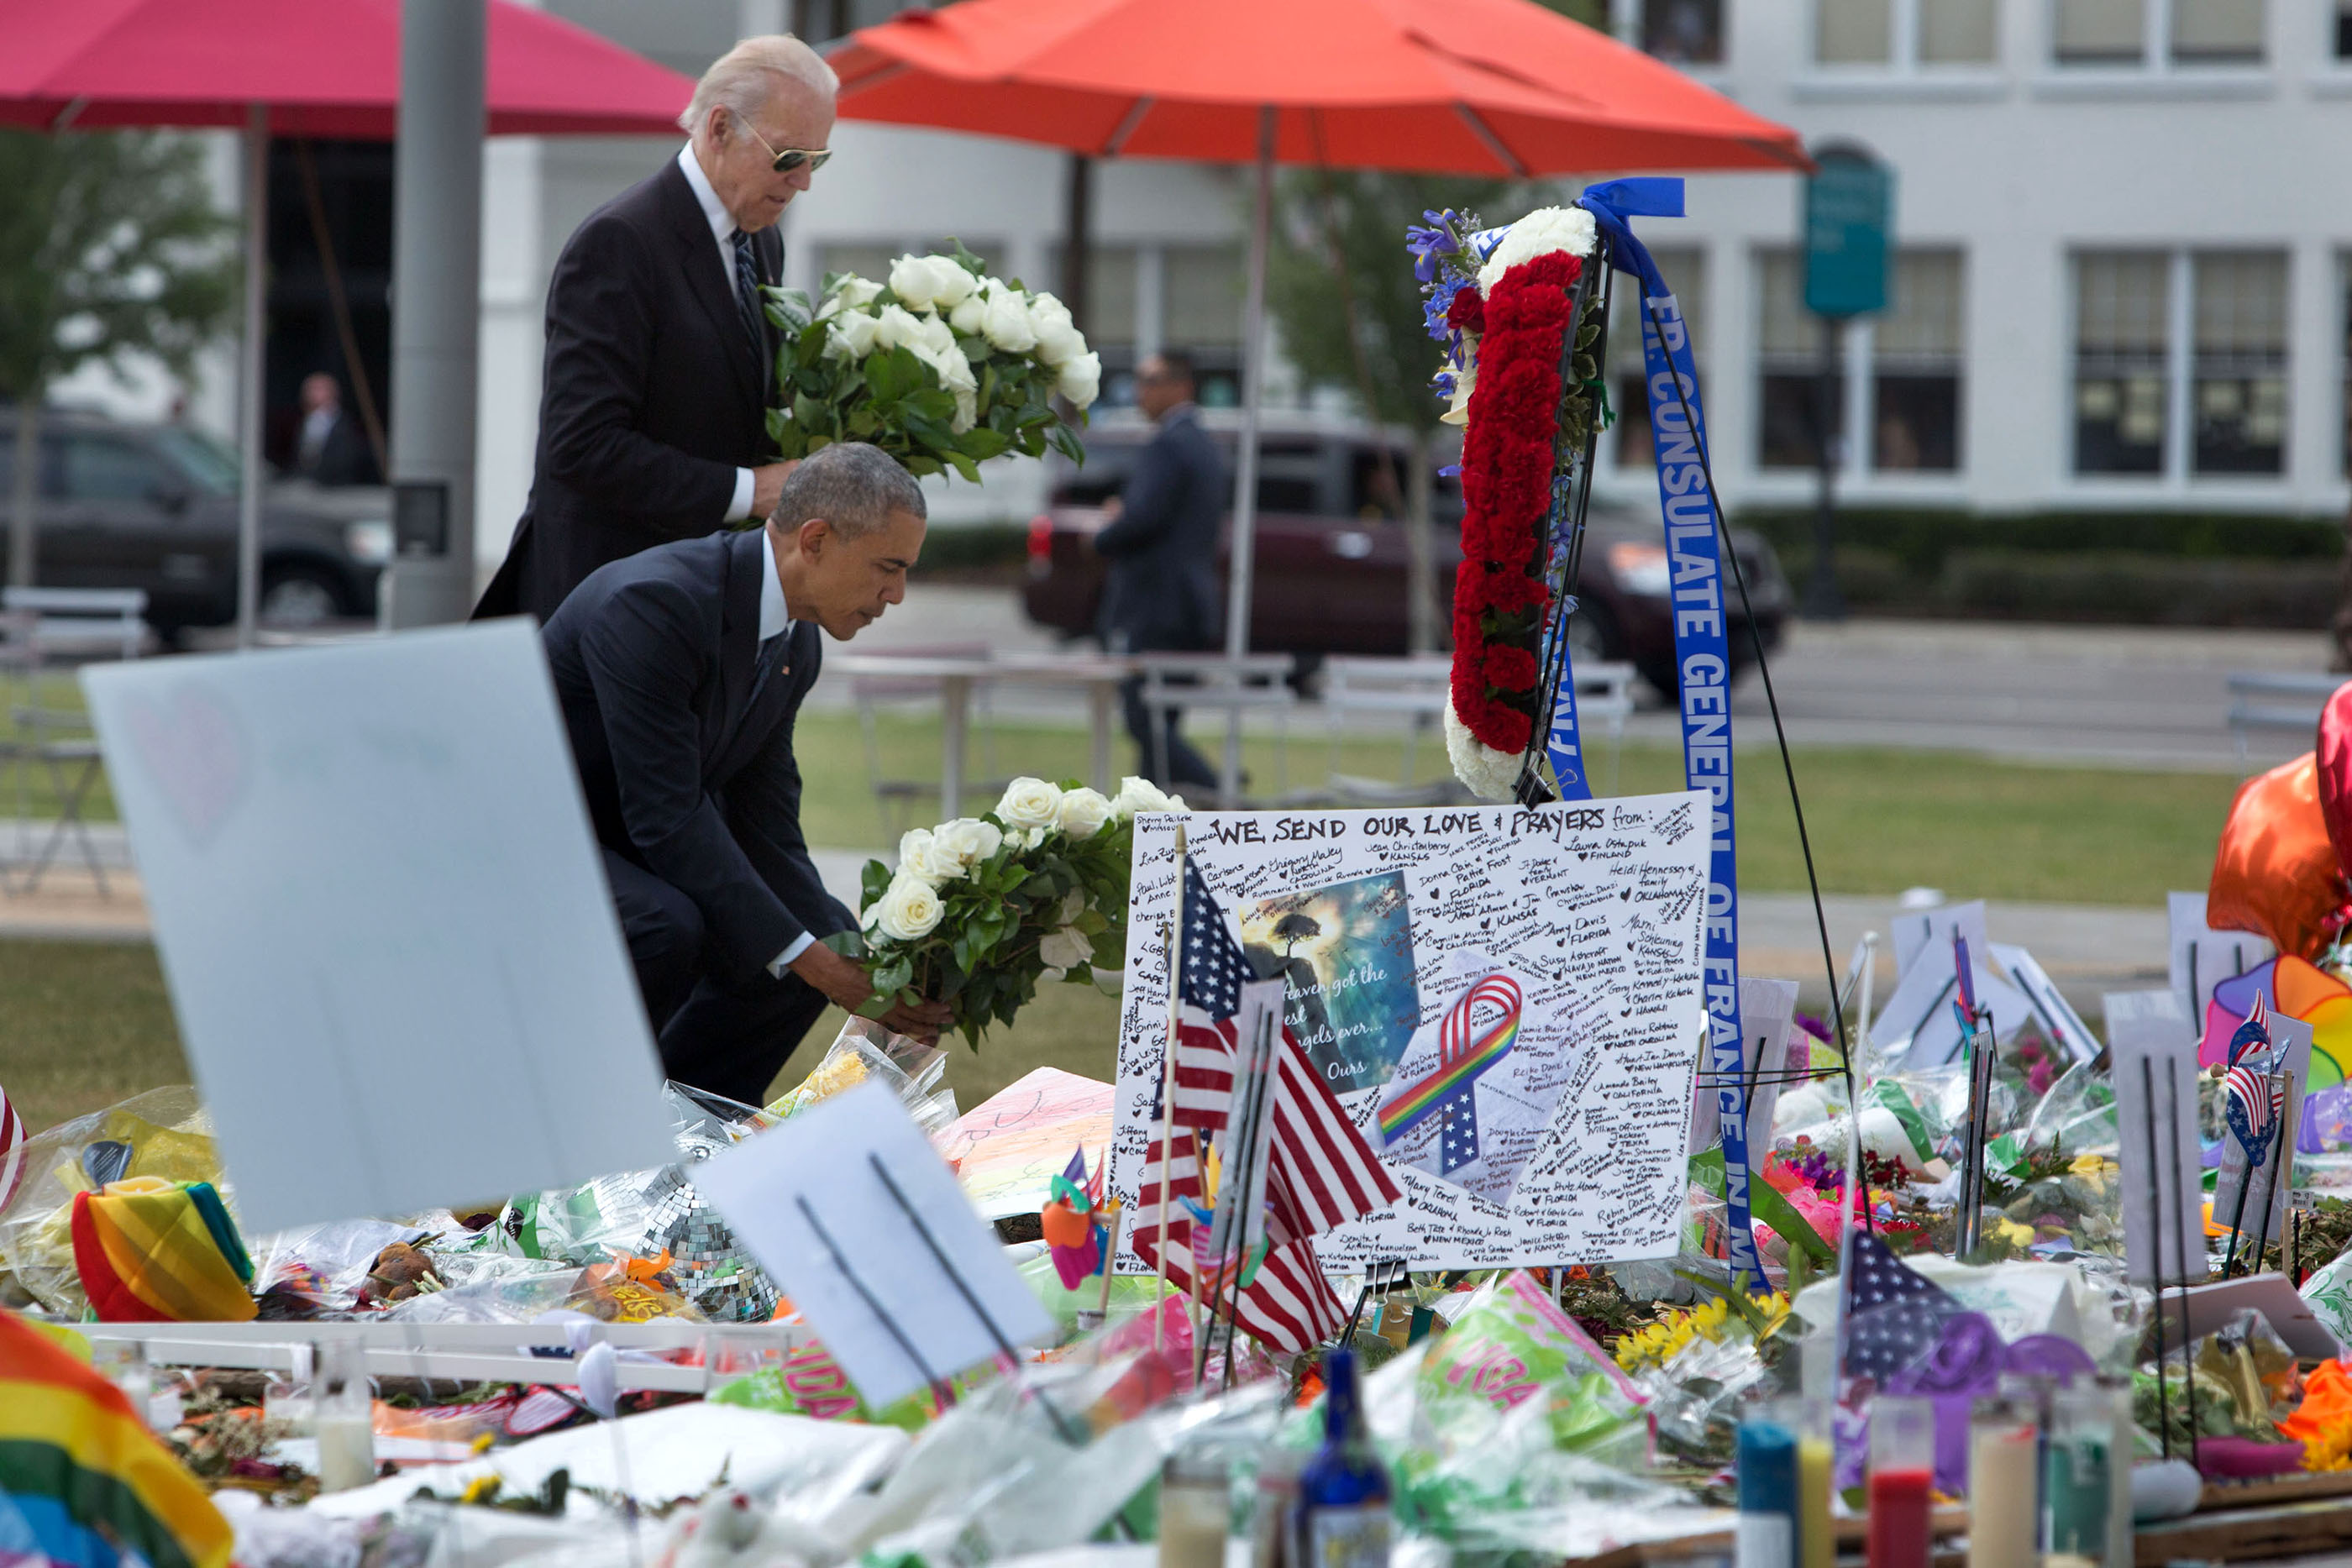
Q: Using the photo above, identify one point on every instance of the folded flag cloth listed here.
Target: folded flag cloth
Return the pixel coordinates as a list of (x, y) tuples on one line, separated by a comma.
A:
[(83, 1483), (150, 1250)]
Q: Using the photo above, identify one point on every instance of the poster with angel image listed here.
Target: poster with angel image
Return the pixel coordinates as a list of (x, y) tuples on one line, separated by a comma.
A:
[(1507, 1003)]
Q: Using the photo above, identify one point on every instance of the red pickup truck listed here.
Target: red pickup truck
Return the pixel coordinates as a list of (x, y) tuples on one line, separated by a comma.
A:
[(1332, 554)]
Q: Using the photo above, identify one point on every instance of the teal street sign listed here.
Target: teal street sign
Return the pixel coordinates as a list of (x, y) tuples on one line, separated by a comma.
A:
[(1849, 207)]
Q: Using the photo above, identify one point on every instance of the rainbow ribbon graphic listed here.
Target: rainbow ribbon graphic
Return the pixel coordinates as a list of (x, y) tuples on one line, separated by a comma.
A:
[(1461, 1058)]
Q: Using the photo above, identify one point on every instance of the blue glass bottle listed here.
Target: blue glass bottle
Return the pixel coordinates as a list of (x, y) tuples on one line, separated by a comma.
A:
[(1340, 1519)]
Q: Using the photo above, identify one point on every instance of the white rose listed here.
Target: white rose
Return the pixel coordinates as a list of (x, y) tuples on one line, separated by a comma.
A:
[(909, 910), (969, 313), (1028, 803), (917, 281), (1005, 323), (933, 335), (967, 413), (1176, 803), (851, 336), (1082, 380), (1074, 904), (1026, 838), (966, 841), (897, 326), (1138, 795), (955, 370), (857, 292), (921, 853), (954, 285), (1081, 813), (1065, 949), (1058, 338)]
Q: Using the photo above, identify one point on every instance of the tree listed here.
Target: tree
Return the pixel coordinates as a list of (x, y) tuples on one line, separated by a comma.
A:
[(111, 248), (1341, 288)]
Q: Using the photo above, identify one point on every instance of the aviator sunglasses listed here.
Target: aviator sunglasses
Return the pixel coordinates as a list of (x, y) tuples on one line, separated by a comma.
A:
[(790, 158)]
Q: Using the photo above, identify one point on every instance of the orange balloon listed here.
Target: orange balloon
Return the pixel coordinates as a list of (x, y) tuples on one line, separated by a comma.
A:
[(2275, 873)]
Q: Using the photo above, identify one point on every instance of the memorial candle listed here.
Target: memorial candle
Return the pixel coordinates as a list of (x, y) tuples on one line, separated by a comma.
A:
[(1902, 1480), (2004, 1486), (1769, 1504)]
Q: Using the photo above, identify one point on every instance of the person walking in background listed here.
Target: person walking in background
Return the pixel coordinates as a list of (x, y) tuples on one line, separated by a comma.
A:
[(329, 448), (680, 671), (1161, 593), (660, 360)]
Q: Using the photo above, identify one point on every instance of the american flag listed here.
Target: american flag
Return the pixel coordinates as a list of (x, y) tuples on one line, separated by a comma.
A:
[(11, 1149), (1893, 1315), (2251, 1104), (1323, 1172), (1289, 1306)]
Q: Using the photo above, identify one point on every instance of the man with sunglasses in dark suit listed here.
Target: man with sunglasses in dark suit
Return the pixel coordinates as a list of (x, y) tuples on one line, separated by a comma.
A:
[(680, 671), (660, 361)]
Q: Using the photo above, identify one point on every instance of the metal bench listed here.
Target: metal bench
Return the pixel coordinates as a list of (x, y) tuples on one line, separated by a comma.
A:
[(83, 623), (2288, 700)]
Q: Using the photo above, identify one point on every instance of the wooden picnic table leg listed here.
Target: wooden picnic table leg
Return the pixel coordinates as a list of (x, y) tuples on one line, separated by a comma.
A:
[(955, 712)]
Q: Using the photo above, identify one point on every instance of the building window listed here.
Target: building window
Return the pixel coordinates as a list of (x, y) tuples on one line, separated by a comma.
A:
[(2198, 32), (2238, 387), (1915, 371), (1685, 31), (1905, 33), (1789, 370), (1685, 273), (2122, 311)]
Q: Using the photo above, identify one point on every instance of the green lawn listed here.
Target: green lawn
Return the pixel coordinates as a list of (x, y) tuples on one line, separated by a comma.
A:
[(82, 1025)]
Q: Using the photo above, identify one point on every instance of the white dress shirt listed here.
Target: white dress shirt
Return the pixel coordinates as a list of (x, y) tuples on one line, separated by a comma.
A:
[(722, 232), (775, 620)]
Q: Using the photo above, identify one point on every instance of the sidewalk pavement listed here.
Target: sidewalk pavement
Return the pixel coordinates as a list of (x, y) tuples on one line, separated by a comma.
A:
[(2088, 950)]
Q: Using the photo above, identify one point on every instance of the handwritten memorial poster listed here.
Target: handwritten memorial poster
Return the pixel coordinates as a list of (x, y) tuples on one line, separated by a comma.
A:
[(1510, 1001)]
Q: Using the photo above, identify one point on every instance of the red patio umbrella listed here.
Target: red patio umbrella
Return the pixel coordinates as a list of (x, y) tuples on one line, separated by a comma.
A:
[(305, 68), (321, 69), (1493, 88)]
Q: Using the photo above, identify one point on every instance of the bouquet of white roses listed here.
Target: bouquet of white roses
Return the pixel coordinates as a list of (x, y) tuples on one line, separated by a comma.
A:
[(942, 366), (983, 909)]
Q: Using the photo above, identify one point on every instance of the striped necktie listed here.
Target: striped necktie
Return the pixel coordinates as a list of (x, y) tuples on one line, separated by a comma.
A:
[(747, 291)]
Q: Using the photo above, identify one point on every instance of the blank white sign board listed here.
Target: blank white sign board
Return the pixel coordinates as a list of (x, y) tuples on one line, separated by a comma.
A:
[(383, 921)]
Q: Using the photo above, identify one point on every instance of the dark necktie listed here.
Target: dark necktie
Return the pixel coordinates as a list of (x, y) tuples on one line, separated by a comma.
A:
[(747, 291), (771, 659)]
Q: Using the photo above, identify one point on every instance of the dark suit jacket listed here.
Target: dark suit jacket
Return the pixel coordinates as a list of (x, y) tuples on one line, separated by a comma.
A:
[(1161, 589), (686, 774), (651, 396), (343, 458)]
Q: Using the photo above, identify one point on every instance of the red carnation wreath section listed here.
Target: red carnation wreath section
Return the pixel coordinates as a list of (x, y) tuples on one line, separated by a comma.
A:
[(1507, 466)]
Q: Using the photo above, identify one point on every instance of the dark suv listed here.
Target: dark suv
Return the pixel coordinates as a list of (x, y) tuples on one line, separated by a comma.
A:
[(154, 506), (1332, 554)]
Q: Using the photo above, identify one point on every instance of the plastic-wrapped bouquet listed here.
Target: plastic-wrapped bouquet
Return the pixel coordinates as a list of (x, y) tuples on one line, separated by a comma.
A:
[(983, 909), (941, 365)]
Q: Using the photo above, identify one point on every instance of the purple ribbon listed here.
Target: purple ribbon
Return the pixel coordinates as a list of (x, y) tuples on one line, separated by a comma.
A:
[(1966, 1365)]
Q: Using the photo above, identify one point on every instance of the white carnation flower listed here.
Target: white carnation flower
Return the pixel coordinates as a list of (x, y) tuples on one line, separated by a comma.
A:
[(1081, 380), (1065, 949), (1081, 813), (966, 841), (852, 335), (921, 853), (969, 313), (909, 910), (1541, 232), (897, 327), (1489, 774), (1029, 803), (1005, 323), (1138, 795)]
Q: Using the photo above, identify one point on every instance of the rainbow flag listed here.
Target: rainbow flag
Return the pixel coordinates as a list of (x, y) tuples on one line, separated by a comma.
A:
[(150, 1250), (83, 1483)]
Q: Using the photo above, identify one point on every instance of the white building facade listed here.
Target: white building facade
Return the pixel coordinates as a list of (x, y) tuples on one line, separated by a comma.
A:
[(2124, 243)]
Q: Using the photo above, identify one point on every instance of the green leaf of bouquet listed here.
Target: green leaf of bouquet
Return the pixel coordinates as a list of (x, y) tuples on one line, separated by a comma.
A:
[(873, 882), (849, 944), (889, 374), (862, 422), (962, 464), (808, 412), (810, 347), (981, 443), (921, 467), (1066, 441)]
